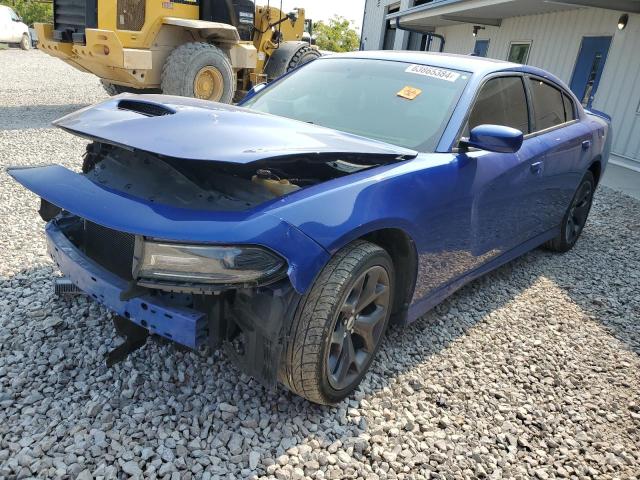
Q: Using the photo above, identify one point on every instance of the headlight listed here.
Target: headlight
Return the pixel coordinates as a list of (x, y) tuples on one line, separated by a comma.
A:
[(202, 264)]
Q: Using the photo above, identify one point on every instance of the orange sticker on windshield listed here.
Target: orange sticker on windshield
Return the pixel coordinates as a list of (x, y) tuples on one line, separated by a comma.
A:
[(410, 93)]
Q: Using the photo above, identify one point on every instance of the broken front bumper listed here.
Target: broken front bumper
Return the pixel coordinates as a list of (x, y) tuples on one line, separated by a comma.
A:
[(182, 325)]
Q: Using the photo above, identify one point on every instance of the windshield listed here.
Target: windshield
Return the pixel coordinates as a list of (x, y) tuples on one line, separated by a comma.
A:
[(399, 103)]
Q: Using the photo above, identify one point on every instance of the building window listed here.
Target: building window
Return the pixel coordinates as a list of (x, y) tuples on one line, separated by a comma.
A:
[(519, 52)]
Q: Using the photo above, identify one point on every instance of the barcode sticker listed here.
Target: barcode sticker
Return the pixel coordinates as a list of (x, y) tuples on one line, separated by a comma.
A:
[(439, 73)]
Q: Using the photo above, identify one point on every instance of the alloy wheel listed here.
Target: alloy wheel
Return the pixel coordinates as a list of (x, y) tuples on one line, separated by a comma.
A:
[(578, 213), (358, 328)]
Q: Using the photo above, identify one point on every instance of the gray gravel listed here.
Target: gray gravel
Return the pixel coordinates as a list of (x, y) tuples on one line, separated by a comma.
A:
[(530, 372)]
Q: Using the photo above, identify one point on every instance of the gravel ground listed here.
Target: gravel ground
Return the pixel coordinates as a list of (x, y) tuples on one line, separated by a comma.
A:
[(530, 372)]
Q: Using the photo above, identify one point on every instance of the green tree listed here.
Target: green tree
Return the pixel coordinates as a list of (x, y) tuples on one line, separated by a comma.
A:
[(31, 11), (337, 35)]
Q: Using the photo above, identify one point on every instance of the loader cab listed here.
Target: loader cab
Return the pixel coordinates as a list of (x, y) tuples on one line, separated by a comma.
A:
[(239, 13)]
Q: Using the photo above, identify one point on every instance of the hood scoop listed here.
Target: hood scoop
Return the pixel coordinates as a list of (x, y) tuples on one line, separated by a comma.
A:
[(191, 129), (148, 109)]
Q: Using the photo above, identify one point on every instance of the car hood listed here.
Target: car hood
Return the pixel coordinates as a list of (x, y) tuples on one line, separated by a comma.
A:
[(193, 129)]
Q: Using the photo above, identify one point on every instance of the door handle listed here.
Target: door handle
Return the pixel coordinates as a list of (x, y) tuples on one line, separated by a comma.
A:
[(536, 167), (586, 145)]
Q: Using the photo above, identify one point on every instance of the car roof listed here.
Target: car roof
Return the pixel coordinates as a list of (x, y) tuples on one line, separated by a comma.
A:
[(465, 63)]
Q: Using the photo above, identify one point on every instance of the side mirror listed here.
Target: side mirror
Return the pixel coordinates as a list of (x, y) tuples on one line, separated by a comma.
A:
[(254, 91), (494, 138)]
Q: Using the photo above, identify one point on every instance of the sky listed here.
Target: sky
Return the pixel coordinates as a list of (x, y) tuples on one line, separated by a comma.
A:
[(325, 9)]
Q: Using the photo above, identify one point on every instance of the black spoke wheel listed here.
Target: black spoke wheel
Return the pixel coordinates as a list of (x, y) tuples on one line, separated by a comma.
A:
[(578, 212), (358, 328), (339, 325), (576, 216)]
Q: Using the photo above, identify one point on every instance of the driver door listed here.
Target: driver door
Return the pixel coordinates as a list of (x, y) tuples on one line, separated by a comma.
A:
[(504, 211)]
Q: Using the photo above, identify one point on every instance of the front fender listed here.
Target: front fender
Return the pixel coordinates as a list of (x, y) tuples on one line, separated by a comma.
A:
[(118, 211)]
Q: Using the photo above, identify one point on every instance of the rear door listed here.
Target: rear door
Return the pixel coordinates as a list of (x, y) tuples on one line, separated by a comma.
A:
[(15, 26), (6, 27), (503, 214), (565, 141)]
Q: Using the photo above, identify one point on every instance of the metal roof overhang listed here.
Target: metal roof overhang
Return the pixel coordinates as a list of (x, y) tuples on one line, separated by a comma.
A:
[(440, 13)]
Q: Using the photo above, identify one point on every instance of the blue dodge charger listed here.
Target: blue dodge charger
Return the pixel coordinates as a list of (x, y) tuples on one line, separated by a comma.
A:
[(359, 190)]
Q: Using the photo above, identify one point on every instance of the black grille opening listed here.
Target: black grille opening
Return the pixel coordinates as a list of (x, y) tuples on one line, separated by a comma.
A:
[(71, 17), (111, 249)]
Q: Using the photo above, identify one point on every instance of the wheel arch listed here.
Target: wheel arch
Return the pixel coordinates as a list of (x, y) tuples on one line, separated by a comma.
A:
[(402, 250), (596, 169)]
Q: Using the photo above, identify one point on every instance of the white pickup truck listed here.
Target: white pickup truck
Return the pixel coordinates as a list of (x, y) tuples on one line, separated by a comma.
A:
[(12, 29)]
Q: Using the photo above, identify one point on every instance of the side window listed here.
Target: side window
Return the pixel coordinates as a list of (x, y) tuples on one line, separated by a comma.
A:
[(13, 15), (548, 105), (569, 108), (502, 101)]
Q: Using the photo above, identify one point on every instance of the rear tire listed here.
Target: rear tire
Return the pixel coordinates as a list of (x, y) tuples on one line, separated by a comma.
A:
[(289, 56), (25, 43), (576, 216), (199, 70), (340, 325)]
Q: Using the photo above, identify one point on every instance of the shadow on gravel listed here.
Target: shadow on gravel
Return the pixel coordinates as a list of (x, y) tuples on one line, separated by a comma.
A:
[(34, 116)]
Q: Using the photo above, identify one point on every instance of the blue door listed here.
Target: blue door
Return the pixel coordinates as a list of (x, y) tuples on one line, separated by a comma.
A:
[(589, 68), (481, 48)]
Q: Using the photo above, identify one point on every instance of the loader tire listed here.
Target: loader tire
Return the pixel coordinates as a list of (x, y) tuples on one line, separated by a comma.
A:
[(289, 56), (113, 89), (199, 70)]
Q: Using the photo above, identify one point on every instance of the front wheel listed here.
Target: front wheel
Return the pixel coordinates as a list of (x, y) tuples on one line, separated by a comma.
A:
[(340, 325), (576, 216), (199, 70)]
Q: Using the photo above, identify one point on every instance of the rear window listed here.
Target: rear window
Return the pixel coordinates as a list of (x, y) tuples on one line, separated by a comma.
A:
[(394, 102), (548, 105), (569, 108)]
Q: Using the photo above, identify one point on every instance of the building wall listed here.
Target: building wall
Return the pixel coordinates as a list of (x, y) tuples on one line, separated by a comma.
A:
[(374, 24), (556, 39)]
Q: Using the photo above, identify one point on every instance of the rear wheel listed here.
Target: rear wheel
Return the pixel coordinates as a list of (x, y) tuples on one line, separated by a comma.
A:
[(25, 42), (289, 56), (199, 70), (576, 216), (341, 323)]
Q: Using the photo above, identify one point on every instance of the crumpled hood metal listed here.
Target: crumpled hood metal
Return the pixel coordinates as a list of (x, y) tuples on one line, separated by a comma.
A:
[(201, 130)]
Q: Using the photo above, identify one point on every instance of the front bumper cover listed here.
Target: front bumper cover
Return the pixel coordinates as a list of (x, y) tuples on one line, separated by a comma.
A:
[(181, 325)]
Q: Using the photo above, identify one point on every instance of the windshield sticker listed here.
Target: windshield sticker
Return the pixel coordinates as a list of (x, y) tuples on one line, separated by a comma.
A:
[(410, 93), (433, 72)]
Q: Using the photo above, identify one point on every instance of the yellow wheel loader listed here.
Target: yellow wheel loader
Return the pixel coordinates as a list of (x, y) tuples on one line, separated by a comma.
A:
[(209, 49)]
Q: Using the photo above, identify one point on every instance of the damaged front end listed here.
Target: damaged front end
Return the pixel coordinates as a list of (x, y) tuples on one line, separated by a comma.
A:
[(168, 224)]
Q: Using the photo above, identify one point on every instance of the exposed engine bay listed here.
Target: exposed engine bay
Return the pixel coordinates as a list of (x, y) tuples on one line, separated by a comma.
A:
[(213, 186)]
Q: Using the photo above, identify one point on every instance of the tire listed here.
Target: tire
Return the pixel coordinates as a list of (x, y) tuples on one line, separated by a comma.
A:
[(25, 43), (203, 61), (576, 216), (311, 365), (289, 56), (113, 89)]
